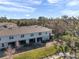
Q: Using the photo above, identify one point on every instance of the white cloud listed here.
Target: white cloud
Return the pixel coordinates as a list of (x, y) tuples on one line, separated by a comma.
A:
[(7, 3), (10, 9), (31, 2), (2, 0), (36, 1), (15, 6), (70, 12), (16, 9), (73, 3), (27, 15), (53, 1)]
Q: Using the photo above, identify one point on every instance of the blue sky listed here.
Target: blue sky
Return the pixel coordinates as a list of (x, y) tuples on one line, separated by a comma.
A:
[(36, 8)]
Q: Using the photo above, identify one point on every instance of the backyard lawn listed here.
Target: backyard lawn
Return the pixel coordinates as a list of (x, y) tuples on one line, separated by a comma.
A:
[(37, 53)]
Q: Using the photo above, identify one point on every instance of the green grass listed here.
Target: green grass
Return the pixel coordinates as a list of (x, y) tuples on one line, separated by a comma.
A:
[(37, 53)]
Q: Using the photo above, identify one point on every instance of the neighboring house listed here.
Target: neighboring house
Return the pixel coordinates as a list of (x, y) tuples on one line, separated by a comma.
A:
[(7, 25), (17, 36)]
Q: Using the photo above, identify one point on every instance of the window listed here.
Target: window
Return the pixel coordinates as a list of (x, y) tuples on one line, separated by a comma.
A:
[(32, 34), (11, 37), (46, 32), (40, 33), (0, 39), (2, 44), (22, 35)]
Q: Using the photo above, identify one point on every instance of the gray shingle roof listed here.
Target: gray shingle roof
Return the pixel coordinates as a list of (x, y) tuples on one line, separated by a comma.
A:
[(23, 30)]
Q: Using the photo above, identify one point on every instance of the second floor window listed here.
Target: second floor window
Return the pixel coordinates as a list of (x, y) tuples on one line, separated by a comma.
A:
[(32, 34), (0, 39), (46, 32), (22, 35), (11, 37), (2, 44), (40, 33)]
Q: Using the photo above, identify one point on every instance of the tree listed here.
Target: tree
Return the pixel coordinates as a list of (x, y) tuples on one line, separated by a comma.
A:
[(64, 17), (18, 23), (10, 52)]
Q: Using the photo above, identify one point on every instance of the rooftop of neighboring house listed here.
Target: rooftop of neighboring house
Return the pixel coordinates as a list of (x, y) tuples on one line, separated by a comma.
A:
[(7, 25)]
